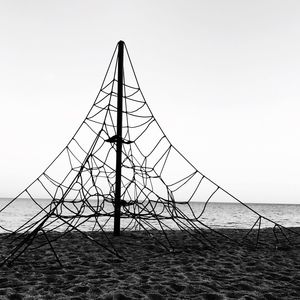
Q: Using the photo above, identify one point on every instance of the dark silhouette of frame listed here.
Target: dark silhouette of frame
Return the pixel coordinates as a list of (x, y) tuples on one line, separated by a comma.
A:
[(120, 166)]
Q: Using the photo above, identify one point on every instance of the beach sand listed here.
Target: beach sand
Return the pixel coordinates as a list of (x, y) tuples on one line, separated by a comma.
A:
[(194, 271)]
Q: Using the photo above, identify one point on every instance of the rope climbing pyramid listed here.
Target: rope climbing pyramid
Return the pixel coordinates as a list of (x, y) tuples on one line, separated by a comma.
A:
[(119, 172)]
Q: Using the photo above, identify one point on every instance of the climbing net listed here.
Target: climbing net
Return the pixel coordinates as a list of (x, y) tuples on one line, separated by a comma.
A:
[(159, 186)]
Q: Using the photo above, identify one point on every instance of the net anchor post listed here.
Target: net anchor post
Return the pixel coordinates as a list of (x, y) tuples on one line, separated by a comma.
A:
[(119, 141)]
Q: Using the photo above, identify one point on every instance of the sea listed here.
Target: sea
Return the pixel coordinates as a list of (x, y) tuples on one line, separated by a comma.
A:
[(216, 215)]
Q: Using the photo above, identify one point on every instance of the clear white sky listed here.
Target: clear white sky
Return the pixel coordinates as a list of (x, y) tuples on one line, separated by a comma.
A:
[(221, 77)]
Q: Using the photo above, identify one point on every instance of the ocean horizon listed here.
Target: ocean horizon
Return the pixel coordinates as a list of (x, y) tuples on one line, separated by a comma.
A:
[(216, 214)]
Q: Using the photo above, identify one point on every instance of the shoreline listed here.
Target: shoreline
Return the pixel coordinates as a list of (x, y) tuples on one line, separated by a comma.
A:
[(194, 270)]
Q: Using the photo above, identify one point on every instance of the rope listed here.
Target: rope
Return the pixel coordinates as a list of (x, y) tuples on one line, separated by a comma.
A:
[(158, 182)]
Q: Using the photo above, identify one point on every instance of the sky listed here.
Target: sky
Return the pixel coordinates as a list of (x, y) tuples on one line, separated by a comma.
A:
[(221, 77)]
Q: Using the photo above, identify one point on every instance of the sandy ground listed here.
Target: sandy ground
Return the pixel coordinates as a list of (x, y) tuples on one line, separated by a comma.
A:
[(194, 271)]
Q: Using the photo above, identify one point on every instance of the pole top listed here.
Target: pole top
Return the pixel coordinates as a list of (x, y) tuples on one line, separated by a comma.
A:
[(121, 43)]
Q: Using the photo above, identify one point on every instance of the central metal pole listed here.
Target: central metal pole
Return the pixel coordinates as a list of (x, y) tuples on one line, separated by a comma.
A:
[(117, 216)]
